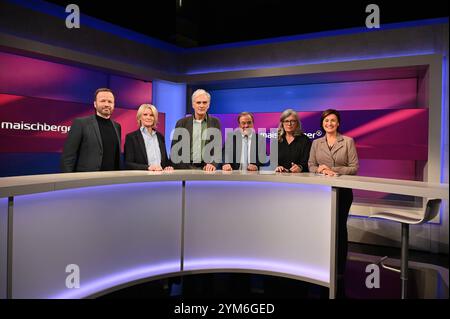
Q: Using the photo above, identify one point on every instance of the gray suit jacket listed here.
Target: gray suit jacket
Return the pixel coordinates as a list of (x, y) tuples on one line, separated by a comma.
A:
[(83, 149), (342, 158), (187, 123)]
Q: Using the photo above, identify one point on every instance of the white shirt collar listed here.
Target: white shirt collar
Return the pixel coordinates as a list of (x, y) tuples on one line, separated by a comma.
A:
[(145, 131)]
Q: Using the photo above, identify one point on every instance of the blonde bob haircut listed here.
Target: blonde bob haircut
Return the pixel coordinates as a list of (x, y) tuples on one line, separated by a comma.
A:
[(141, 110)]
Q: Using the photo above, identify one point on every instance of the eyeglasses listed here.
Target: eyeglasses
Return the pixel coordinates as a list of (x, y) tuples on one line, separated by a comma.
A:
[(290, 122), (247, 123)]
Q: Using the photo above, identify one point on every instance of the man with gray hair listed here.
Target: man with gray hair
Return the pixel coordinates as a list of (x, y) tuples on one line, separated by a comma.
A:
[(197, 139)]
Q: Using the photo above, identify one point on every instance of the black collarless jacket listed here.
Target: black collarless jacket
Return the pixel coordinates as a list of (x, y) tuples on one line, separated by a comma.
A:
[(297, 152), (136, 155), (83, 149)]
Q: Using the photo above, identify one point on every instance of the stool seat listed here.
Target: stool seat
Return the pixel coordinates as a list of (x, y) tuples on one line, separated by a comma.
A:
[(398, 218), (430, 211)]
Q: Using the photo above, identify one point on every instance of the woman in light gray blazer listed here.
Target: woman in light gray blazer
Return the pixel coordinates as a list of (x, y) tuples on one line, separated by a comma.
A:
[(332, 155)]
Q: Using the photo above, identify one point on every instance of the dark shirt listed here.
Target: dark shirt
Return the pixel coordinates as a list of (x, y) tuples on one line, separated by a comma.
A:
[(110, 143), (297, 152)]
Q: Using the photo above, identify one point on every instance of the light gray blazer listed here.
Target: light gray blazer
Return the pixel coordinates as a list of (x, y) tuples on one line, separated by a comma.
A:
[(342, 158)]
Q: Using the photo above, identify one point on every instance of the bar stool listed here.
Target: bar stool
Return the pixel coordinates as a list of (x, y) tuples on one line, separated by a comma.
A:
[(431, 210)]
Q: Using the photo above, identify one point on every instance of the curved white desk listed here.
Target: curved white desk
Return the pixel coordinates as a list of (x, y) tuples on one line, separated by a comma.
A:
[(124, 227)]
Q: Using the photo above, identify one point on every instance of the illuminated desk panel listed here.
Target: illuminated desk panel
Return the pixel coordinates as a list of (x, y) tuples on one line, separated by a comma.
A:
[(124, 227)]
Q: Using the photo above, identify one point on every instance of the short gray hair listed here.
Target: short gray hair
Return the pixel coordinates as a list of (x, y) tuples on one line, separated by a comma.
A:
[(201, 92)]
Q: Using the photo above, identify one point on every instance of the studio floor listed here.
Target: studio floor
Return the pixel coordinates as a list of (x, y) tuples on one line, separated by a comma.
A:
[(428, 279)]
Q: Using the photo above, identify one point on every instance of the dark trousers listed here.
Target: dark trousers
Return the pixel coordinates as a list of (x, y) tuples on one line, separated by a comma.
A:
[(345, 199)]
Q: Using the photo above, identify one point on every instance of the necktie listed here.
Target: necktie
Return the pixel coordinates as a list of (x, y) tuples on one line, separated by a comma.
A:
[(244, 163)]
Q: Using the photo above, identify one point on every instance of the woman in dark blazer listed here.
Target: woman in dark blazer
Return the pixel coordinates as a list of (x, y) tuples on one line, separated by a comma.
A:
[(331, 155), (293, 145), (145, 148)]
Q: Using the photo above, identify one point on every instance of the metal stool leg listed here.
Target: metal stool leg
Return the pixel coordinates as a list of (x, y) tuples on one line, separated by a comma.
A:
[(404, 258)]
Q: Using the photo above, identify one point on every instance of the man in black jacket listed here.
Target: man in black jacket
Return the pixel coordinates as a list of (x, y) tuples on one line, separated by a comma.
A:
[(93, 142)]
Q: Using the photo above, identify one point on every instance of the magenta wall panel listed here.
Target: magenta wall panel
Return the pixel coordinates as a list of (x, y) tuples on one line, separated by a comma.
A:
[(130, 93), (40, 125), (38, 78)]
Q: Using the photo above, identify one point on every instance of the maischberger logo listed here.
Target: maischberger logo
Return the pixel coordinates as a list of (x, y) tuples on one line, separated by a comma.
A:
[(269, 135), (44, 127), (317, 133)]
